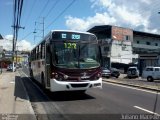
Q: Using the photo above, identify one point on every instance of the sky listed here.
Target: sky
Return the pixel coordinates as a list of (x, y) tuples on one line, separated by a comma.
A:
[(81, 15)]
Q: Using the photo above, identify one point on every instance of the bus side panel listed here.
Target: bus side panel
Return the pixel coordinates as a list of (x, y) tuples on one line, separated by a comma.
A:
[(38, 68)]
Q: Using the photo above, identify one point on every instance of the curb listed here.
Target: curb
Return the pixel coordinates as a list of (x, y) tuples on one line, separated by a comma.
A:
[(132, 85)]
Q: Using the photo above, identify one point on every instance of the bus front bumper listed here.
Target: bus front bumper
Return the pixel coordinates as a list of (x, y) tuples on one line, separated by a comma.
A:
[(73, 86)]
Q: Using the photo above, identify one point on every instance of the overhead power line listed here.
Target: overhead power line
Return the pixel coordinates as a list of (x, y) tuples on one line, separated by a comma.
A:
[(43, 9), (26, 35), (18, 4), (61, 13), (53, 6), (45, 6), (30, 12)]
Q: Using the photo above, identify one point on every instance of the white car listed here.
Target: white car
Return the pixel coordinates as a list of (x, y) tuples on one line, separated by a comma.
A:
[(151, 73)]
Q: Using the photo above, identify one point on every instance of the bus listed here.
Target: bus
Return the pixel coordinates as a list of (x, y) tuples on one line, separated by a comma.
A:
[(67, 61)]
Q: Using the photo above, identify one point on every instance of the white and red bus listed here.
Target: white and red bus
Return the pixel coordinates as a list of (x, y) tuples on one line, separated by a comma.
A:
[(67, 61)]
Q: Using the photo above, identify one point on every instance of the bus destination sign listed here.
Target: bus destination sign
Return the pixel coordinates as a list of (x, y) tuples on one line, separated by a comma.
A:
[(62, 35), (72, 36)]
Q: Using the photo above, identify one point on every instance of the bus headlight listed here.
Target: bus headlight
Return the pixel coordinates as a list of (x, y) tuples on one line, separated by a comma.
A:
[(59, 77), (56, 76), (65, 76)]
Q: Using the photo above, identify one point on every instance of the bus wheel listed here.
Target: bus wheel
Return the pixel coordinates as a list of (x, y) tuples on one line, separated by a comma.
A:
[(31, 73), (43, 83)]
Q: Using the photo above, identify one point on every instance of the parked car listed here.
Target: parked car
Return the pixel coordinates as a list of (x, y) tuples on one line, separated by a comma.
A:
[(151, 73), (132, 72), (106, 72), (18, 66), (11, 68), (115, 72)]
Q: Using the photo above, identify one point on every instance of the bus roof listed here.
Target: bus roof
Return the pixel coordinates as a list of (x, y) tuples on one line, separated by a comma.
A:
[(72, 31), (50, 32)]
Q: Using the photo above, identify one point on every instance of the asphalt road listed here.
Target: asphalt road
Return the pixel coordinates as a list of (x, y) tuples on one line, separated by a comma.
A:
[(111, 102)]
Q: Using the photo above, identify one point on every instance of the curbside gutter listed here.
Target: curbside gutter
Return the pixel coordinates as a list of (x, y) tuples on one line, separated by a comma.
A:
[(132, 85)]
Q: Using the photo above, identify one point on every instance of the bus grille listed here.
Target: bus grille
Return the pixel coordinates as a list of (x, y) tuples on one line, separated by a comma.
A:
[(79, 85)]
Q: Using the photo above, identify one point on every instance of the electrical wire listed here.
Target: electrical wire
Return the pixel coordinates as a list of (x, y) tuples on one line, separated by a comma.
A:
[(30, 12), (64, 10), (45, 6), (26, 36), (17, 12), (43, 9), (53, 6), (61, 13)]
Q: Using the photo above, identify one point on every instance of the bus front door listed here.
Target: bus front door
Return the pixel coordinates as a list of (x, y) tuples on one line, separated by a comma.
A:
[(47, 66)]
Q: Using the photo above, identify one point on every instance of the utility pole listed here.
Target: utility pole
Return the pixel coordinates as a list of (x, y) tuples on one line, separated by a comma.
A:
[(14, 43)]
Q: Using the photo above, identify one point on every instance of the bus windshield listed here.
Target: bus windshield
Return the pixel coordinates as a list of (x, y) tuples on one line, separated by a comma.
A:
[(74, 55)]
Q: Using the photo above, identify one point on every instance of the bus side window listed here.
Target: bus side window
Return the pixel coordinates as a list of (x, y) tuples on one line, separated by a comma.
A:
[(43, 50), (48, 55), (37, 52)]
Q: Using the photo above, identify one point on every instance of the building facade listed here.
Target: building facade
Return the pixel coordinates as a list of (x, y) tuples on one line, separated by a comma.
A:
[(126, 46), (147, 46)]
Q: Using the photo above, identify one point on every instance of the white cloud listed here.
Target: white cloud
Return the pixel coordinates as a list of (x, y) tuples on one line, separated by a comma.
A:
[(9, 37), (76, 23), (102, 3), (134, 14), (24, 45), (132, 18), (86, 23), (21, 45), (6, 44)]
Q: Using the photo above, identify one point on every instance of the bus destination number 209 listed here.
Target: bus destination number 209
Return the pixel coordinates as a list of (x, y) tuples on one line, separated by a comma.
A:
[(75, 37)]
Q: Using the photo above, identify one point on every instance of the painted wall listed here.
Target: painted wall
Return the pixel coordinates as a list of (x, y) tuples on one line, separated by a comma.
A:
[(121, 52), (121, 49)]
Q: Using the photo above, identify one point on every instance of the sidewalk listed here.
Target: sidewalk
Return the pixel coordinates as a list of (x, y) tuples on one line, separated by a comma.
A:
[(14, 102), (137, 82)]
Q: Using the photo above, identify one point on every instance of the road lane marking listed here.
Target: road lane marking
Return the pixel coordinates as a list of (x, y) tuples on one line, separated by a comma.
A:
[(131, 88), (140, 108)]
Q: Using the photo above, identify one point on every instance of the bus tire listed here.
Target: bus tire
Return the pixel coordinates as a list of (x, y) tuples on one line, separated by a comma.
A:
[(43, 83), (31, 73)]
